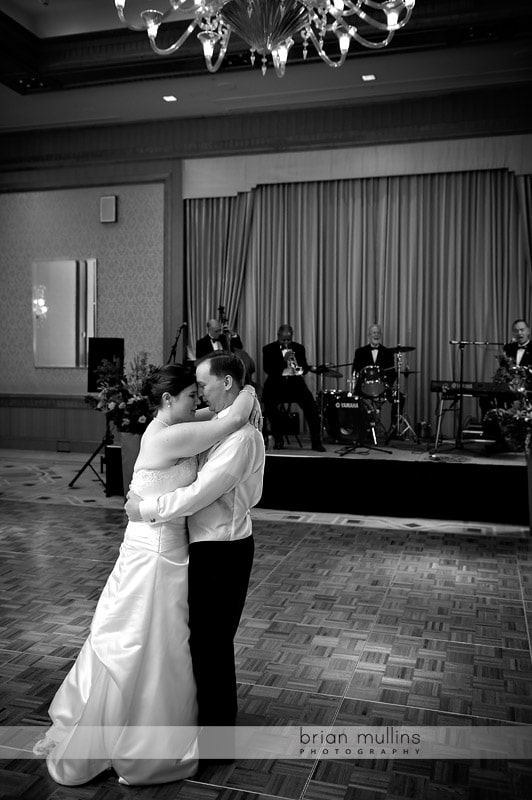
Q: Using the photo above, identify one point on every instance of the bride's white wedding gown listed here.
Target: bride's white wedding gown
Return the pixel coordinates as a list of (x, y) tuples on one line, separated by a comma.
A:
[(134, 671)]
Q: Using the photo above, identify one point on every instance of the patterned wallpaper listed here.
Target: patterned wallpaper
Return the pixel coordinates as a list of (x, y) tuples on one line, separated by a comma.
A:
[(65, 224)]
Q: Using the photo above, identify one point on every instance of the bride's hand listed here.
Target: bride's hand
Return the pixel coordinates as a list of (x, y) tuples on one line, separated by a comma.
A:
[(256, 419)]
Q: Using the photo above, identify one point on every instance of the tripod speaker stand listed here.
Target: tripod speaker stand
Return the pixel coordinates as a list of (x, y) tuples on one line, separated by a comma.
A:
[(107, 440)]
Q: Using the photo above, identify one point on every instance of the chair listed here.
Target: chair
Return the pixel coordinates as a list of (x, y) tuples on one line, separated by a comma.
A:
[(288, 422)]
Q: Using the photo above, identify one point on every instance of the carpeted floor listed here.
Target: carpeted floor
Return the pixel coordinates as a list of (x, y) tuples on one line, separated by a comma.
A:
[(346, 623)]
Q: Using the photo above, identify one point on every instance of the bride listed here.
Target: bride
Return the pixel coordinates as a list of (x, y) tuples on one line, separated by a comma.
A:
[(129, 701)]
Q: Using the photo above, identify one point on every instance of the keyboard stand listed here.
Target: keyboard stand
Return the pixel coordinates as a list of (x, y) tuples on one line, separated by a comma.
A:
[(440, 415)]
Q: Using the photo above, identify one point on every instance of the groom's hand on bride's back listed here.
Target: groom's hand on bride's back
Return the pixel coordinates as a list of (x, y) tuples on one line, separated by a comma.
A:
[(132, 507)]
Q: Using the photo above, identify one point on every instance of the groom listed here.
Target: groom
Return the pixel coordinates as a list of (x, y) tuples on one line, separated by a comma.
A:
[(217, 505)]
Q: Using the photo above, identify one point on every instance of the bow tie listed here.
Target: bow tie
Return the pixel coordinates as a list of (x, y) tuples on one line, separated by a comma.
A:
[(521, 346)]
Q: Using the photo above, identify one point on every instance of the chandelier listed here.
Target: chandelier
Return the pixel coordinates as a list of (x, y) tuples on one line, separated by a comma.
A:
[(269, 26)]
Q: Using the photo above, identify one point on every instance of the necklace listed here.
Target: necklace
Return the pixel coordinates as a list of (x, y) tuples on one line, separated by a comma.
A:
[(166, 425)]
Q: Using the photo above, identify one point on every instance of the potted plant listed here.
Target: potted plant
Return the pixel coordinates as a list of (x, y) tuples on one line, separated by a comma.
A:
[(128, 410)]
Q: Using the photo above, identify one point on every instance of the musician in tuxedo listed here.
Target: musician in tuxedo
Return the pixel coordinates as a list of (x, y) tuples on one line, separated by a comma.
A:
[(221, 337), (285, 364), (376, 354), (520, 348), (218, 337)]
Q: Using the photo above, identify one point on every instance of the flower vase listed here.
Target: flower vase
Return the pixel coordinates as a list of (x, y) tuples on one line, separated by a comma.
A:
[(130, 445)]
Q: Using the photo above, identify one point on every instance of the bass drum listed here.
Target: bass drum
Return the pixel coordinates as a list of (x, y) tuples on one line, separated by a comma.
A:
[(370, 382), (344, 416)]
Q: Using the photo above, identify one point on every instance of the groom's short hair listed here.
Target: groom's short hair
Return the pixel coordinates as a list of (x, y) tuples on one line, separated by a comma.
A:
[(223, 363)]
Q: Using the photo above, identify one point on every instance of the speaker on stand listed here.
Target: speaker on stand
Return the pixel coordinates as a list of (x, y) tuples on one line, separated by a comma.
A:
[(103, 349), (112, 350), (344, 417), (349, 418)]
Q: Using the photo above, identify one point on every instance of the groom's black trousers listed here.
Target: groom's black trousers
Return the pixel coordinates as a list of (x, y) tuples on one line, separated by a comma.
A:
[(218, 577)]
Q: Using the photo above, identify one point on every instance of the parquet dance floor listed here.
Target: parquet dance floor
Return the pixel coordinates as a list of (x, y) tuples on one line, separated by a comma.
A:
[(344, 625)]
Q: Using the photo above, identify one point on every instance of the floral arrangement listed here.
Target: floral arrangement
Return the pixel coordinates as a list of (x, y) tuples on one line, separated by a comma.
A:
[(120, 394), (515, 421)]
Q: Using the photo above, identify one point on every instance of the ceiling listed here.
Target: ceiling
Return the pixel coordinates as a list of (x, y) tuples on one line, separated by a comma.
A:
[(71, 63)]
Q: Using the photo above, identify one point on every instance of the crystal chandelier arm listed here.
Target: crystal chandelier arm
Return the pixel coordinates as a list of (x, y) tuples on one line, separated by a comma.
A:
[(209, 42), (366, 42), (323, 55), (166, 51), (120, 9), (391, 8)]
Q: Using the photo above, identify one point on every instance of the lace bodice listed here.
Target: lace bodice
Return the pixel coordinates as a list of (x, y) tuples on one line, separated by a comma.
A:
[(154, 482)]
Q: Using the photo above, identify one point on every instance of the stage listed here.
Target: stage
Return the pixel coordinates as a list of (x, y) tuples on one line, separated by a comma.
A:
[(409, 480)]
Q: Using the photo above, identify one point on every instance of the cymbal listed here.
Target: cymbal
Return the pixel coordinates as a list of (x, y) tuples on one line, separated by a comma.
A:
[(326, 371), (407, 372), (402, 349)]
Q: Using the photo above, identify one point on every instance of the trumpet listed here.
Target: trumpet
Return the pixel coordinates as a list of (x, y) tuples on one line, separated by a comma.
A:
[(292, 367)]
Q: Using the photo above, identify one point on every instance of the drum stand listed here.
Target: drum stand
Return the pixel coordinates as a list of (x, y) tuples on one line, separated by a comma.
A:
[(402, 425)]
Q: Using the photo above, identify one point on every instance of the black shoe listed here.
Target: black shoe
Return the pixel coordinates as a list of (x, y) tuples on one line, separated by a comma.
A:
[(318, 447)]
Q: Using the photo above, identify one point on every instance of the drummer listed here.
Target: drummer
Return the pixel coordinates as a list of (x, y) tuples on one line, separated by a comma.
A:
[(375, 354)]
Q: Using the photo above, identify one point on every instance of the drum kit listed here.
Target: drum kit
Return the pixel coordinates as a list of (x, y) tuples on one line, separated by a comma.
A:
[(369, 407)]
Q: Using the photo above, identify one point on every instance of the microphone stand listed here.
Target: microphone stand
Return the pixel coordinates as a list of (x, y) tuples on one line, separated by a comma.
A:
[(173, 351), (461, 345)]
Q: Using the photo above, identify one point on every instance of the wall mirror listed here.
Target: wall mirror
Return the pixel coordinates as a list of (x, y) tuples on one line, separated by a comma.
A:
[(64, 312)]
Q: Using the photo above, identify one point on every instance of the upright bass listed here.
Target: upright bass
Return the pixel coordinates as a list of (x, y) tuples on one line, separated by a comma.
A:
[(230, 339)]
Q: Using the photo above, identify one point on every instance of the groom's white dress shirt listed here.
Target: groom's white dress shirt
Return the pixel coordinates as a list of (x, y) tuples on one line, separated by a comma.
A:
[(229, 483)]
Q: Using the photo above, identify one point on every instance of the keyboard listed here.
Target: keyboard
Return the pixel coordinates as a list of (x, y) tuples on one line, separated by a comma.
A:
[(472, 389)]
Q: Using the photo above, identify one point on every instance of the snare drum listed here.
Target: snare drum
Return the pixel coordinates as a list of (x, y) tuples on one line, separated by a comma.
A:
[(370, 382)]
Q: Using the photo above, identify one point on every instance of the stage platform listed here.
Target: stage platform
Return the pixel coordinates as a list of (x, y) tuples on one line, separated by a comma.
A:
[(408, 480)]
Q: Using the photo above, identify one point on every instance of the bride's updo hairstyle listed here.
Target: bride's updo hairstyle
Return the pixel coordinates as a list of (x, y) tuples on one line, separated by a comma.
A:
[(172, 378)]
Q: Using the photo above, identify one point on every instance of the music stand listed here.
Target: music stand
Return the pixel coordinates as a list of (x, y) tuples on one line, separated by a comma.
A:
[(107, 439)]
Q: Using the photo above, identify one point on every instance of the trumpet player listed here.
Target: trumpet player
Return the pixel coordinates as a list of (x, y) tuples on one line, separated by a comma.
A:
[(285, 364)]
